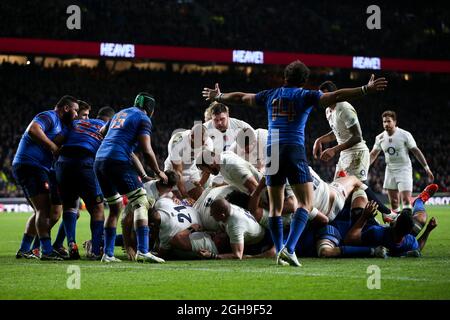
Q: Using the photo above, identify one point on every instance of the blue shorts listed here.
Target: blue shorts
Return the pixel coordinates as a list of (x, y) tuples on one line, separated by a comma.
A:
[(116, 177), (292, 166), (265, 244), (35, 181), (76, 178)]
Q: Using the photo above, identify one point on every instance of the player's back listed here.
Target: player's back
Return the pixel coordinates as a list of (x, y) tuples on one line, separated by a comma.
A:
[(32, 153), (236, 170), (121, 139), (242, 227), (174, 219), (203, 205), (288, 109), (85, 134), (321, 192)]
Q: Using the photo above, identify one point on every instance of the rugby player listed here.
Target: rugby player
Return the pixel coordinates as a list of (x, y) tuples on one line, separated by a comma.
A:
[(128, 129), (346, 129), (31, 170), (288, 108), (396, 144), (76, 178), (183, 149), (251, 146)]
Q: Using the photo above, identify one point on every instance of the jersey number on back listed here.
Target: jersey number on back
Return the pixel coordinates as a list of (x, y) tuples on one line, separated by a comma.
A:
[(182, 216), (282, 108), (118, 122)]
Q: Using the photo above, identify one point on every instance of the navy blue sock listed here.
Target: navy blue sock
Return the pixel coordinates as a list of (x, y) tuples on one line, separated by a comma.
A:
[(60, 237), (46, 246), (142, 239), (351, 251), (110, 237), (298, 223), (70, 223), (276, 231), (418, 205), (26, 243), (119, 241), (97, 236), (36, 243), (381, 207)]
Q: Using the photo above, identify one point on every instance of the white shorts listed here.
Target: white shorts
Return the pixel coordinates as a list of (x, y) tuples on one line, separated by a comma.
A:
[(339, 200), (354, 163), (400, 180)]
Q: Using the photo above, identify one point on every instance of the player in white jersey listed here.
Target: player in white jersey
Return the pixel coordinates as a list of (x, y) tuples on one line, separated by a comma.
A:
[(343, 120), (396, 144), (234, 170), (203, 206), (172, 218), (241, 227), (183, 148), (251, 146), (223, 129), (155, 190)]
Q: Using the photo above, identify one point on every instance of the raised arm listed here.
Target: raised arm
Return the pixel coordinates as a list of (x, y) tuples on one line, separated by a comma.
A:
[(346, 94), (231, 98), (353, 236)]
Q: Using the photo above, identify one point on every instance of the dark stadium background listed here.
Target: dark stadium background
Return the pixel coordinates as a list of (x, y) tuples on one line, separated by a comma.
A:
[(31, 83)]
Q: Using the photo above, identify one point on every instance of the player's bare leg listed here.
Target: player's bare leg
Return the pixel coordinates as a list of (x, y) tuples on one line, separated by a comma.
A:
[(406, 199), (394, 199)]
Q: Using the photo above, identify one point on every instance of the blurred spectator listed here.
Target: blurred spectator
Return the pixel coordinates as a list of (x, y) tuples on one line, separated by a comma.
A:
[(421, 104)]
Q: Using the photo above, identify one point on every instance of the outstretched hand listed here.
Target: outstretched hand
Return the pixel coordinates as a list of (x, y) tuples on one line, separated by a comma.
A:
[(370, 210), (211, 94), (375, 85)]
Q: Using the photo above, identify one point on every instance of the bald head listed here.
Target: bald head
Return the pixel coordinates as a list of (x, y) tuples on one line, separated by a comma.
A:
[(220, 209)]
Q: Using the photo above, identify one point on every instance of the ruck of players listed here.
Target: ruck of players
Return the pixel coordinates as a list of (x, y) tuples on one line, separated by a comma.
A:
[(226, 190)]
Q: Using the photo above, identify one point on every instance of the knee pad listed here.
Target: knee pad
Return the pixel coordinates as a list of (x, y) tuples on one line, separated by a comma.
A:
[(358, 193), (115, 199), (139, 204), (324, 244)]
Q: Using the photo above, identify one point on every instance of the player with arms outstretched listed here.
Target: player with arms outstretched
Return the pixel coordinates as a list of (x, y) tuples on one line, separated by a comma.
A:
[(288, 108)]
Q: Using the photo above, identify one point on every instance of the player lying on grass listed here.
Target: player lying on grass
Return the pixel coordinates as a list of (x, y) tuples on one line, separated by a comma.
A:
[(398, 238)]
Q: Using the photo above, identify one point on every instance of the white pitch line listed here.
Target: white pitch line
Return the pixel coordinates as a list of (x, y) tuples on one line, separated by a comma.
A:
[(271, 271)]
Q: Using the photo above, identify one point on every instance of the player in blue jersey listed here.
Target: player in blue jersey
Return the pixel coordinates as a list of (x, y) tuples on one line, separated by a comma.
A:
[(399, 238), (31, 168), (76, 178), (130, 128), (288, 108)]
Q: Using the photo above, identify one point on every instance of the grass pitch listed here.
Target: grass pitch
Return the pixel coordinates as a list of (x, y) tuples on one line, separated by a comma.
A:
[(401, 278)]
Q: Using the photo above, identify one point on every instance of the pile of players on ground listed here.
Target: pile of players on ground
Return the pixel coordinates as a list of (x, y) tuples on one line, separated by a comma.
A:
[(211, 200)]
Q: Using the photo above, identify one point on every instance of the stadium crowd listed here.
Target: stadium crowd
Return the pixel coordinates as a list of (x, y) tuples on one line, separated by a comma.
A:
[(420, 104), (408, 29)]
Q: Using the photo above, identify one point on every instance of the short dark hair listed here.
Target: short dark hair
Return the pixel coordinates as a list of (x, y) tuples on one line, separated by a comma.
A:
[(172, 179), (404, 223), (389, 113), (107, 112), (296, 74), (218, 108), (83, 105), (66, 100), (328, 86), (238, 198)]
